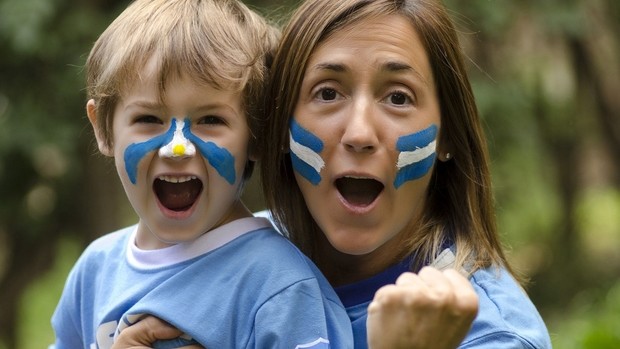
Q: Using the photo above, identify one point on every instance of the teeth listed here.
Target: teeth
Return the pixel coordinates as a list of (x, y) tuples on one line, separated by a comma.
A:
[(356, 177), (176, 179)]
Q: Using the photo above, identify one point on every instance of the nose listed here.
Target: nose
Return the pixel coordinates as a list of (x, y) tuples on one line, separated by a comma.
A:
[(179, 147), (360, 133)]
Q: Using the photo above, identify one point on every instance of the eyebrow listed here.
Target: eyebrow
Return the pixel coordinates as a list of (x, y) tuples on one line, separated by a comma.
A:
[(145, 104), (388, 67), (395, 66)]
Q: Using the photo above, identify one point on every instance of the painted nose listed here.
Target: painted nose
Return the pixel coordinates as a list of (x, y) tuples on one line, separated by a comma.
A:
[(179, 147), (360, 134)]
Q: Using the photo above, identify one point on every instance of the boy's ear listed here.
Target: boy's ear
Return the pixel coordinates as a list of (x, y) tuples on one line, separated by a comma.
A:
[(91, 111)]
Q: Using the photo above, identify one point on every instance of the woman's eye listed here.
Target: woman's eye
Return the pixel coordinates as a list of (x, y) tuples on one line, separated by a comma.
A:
[(399, 98), (327, 94), (148, 119), (211, 120)]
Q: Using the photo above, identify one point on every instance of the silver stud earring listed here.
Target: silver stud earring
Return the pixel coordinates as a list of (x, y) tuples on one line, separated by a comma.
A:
[(448, 156)]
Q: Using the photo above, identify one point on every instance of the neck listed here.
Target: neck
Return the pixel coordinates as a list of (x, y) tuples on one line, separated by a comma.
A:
[(343, 269)]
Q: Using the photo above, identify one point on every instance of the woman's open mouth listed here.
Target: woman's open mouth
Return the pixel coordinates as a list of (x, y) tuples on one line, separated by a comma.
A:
[(357, 191), (177, 193)]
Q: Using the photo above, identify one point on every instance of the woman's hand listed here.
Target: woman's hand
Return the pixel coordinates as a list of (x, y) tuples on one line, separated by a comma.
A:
[(145, 332), (433, 309)]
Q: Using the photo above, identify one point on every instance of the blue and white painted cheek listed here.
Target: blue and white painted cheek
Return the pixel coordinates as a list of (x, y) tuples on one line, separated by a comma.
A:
[(417, 155), (179, 141), (305, 149)]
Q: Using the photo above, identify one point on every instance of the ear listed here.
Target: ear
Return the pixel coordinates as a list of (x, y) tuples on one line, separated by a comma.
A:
[(444, 150), (91, 111)]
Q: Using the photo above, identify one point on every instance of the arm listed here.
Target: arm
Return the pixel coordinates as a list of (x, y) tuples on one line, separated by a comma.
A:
[(144, 333), (431, 309)]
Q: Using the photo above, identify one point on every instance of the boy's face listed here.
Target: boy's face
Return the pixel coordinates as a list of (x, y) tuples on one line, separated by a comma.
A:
[(181, 162)]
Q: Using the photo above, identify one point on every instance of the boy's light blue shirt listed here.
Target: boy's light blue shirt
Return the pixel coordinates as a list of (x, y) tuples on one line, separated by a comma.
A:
[(240, 286)]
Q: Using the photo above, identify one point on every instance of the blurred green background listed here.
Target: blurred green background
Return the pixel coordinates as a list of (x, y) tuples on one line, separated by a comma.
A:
[(546, 74)]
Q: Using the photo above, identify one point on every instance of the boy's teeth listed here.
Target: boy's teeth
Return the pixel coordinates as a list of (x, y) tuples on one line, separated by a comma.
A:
[(177, 179)]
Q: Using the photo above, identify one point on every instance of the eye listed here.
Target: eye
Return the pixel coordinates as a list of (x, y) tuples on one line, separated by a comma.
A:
[(148, 119), (326, 94), (211, 120), (399, 98)]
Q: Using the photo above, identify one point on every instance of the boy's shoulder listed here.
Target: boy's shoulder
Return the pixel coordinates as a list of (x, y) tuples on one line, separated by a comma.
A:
[(110, 244), (506, 315)]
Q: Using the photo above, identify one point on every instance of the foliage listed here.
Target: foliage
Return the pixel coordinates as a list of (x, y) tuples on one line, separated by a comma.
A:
[(545, 78)]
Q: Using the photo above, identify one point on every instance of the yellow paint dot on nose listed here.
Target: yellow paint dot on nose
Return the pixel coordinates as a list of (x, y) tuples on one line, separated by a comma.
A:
[(178, 149)]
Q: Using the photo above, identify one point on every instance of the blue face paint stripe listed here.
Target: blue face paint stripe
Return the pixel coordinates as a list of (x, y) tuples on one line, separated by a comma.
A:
[(136, 151), (220, 158), (305, 149), (418, 143), (305, 137), (307, 171), (417, 140), (414, 171)]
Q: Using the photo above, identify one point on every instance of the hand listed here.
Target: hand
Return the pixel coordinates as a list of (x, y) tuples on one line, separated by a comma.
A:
[(142, 334), (433, 309)]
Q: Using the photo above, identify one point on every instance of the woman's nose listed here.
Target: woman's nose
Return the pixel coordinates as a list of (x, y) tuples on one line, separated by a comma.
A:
[(360, 133)]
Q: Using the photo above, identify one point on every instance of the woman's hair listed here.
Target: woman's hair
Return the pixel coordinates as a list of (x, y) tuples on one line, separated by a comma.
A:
[(459, 203), (221, 43)]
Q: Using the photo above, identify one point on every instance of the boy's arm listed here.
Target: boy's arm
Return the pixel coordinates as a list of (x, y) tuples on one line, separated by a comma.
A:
[(433, 309)]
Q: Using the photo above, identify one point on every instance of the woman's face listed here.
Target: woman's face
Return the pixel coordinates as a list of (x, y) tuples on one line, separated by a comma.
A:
[(363, 135)]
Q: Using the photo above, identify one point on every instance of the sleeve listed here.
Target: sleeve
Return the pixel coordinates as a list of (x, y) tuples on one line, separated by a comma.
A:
[(65, 320), (301, 317)]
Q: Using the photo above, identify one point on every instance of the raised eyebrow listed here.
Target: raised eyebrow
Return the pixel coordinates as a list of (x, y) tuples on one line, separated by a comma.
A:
[(395, 66), (331, 66)]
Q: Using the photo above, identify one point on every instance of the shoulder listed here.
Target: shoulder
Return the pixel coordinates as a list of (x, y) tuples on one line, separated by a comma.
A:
[(105, 248), (507, 318)]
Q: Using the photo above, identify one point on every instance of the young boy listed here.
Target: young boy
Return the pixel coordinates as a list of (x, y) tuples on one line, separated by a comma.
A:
[(174, 88)]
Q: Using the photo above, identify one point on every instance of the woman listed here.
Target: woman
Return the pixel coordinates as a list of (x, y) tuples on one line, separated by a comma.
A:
[(375, 163)]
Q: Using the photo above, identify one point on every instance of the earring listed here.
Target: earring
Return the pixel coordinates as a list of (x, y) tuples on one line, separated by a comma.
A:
[(448, 156)]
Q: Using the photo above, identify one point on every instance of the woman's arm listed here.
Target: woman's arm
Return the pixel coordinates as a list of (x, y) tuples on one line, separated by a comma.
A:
[(431, 309), (145, 332)]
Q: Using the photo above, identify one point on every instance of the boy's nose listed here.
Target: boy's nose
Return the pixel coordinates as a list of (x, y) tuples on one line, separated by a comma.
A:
[(179, 147)]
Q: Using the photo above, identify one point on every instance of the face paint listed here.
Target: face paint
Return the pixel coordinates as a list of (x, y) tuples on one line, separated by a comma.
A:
[(178, 141), (305, 149), (136, 151), (179, 146), (417, 155), (220, 158)]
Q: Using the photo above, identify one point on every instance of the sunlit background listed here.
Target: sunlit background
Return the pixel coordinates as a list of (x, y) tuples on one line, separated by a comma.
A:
[(546, 76)]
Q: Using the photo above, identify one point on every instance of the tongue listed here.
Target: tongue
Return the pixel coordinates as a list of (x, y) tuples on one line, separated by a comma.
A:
[(177, 196), (359, 192)]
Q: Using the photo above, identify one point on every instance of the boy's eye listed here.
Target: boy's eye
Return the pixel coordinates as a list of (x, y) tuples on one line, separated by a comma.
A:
[(211, 120), (148, 119)]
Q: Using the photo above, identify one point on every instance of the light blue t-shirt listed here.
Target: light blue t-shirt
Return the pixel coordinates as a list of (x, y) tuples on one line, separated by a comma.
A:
[(241, 285), (506, 316)]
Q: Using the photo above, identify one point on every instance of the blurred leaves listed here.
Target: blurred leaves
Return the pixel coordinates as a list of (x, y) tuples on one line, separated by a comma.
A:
[(545, 75)]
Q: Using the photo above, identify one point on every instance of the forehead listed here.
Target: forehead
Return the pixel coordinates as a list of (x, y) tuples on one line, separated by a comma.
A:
[(384, 42)]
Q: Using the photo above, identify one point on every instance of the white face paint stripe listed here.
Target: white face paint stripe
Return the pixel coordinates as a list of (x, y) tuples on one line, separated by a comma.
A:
[(187, 148), (406, 158), (306, 154)]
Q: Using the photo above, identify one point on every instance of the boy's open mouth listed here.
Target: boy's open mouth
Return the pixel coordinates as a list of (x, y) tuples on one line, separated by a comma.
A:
[(177, 193), (359, 191)]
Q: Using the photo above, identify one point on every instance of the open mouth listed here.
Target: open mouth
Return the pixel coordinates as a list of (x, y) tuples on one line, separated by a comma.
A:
[(177, 193), (359, 191)]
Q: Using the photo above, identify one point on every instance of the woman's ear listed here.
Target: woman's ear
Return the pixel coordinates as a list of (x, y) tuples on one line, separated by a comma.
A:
[(444, 151), (91, 111)]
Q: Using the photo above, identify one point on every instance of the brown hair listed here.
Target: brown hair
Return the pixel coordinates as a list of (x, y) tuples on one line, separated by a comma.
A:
[(218, 42), (459, 204)]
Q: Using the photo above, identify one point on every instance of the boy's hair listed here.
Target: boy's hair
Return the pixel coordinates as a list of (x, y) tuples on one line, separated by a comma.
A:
[(459, 203), (221, 43)]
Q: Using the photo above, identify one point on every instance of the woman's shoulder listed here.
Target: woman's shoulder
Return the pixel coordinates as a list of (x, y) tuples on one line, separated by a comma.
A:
[(506, 318)]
